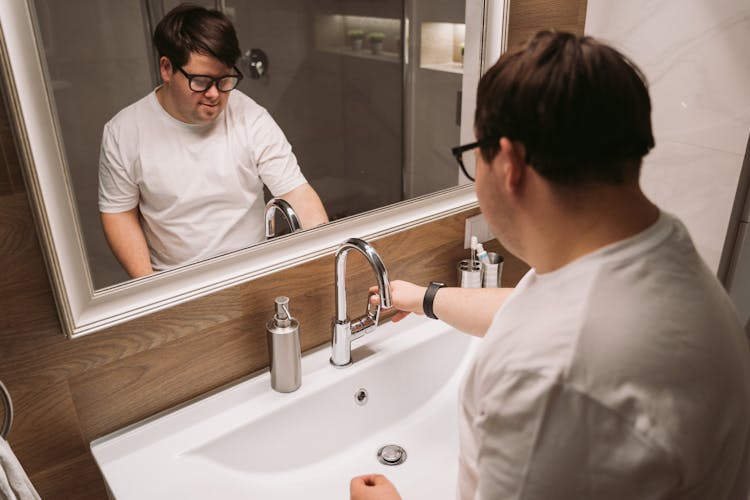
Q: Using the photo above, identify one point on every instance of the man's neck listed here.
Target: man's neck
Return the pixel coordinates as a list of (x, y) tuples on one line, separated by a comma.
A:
[(162, 95), (591, 221)]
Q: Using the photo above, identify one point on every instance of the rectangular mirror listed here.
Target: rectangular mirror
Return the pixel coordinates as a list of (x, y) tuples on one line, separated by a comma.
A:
[(371, 123)]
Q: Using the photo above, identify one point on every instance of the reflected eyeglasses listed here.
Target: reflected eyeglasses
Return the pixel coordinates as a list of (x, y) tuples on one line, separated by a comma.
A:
[(459, 151), (201, 83)]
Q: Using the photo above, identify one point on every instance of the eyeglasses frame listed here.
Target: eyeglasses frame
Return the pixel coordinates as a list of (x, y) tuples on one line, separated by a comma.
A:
[(214, 81), (458, 152)]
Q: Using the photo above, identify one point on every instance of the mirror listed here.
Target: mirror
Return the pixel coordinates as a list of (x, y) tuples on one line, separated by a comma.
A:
[(371, 127)]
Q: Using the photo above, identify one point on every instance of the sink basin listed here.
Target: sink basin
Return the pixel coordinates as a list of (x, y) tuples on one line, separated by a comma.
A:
[(247, 441)]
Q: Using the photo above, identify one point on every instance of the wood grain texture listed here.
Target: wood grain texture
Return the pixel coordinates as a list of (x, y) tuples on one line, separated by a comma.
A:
[(11, 179), (68, 392), (77, 479), (529, 16), (46, 414)]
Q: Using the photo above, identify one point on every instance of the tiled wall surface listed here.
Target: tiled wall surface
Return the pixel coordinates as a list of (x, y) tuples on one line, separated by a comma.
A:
[(695, 56), (68, 392)]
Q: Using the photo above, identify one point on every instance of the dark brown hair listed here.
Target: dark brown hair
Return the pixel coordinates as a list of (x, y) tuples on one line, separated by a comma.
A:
[(580, 108), (190, 28)]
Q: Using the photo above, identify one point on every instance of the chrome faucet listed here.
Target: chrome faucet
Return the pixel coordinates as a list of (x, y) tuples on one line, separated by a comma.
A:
[(286, 210), (344, 330)]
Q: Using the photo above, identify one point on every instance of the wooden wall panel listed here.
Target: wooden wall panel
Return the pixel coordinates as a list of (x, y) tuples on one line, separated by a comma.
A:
[(10, 171), (529, 16), (68, 392)]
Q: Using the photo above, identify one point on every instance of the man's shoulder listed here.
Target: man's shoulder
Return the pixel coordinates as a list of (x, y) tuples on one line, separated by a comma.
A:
[(629, 307), (243, 109), (130, 115), (241, 102)]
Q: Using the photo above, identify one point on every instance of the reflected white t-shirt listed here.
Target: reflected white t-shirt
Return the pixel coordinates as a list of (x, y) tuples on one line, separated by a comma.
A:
[(623, 375), (199, 187)]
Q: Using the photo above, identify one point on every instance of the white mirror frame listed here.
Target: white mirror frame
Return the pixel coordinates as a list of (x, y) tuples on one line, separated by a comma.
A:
[(82, 309)]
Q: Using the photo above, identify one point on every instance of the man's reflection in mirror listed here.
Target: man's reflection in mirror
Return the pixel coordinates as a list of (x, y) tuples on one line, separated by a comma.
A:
[(181, 171)]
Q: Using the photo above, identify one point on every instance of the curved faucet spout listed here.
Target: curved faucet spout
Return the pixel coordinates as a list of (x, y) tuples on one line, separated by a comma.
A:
[(381, 274), (344, 330), (290, 216)]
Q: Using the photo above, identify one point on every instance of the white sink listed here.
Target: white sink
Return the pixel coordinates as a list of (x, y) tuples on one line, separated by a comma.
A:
[(249, 442)]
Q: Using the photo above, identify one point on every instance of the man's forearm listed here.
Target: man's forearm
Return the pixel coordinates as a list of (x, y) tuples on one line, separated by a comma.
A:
[(127, 241), (307, 205), (470, 310)]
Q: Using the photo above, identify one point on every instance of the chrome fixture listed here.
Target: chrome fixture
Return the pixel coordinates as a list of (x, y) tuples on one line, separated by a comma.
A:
[(344, 331), (257, 63), (8, 414), (286, 210), (284, 354), (391, 454)]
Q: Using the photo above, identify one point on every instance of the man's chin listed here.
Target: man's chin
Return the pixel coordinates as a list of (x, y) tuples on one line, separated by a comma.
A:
[(210, 111), (205, 117)]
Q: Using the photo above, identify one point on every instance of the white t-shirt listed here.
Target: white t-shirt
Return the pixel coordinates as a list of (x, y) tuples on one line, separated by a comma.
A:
[(199, 187), (623, 375)]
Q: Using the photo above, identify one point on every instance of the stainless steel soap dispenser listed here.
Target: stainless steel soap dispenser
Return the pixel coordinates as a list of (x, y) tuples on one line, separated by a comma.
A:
[(284, 349)]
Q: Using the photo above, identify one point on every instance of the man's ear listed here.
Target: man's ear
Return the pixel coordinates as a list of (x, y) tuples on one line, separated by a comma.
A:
[(165, 69), (515, 164)]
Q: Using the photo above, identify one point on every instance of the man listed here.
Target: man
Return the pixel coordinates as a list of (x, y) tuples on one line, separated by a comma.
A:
[(617, 368), (181, 171)]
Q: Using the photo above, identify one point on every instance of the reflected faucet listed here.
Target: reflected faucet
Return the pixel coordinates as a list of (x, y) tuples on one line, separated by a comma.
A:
[(286, 210), (345, 331)]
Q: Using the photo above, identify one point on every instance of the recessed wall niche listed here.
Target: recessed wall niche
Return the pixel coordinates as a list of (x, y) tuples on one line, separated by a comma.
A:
[(442, 46), (375, 38)]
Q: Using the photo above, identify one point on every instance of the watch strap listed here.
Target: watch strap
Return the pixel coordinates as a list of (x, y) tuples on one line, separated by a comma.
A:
[(429, 298)]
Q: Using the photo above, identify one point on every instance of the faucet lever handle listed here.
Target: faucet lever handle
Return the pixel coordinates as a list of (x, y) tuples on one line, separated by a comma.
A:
[(368, 322), (373, 315)]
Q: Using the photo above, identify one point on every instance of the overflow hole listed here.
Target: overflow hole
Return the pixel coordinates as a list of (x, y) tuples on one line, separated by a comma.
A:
[(360, 397)]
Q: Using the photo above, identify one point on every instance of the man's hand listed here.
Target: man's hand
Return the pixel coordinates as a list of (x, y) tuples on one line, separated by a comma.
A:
[(406, 297), (373, 487)]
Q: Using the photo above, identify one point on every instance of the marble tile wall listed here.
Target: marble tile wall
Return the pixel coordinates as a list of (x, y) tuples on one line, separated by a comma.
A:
[(695, 56)]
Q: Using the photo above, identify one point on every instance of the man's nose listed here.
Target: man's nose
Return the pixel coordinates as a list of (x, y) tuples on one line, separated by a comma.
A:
[(212, 92)]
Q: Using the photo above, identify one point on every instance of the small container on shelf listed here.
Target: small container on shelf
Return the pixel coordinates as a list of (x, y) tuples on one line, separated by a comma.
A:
[(376, 42), (356, 38)]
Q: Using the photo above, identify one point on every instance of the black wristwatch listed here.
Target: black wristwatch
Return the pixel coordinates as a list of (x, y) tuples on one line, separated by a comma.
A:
[(429, 298)]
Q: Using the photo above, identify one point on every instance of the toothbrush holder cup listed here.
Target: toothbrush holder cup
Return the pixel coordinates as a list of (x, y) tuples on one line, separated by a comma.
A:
[(469, 276), (492, 272)]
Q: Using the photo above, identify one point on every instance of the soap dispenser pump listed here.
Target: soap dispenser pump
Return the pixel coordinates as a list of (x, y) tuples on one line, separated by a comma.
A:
[(284, 349)]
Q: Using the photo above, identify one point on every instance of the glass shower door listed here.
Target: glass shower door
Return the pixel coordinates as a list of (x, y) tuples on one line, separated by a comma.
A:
[(334, 84)]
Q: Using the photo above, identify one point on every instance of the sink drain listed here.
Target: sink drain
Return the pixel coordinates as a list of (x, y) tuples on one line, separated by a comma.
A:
[(391, 454), (360, 397)]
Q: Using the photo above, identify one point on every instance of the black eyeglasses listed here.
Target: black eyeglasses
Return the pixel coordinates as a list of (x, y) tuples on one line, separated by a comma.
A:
[(201, 83), (459, 151)]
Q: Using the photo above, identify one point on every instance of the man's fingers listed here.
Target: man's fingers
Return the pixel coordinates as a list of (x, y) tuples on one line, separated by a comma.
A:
[(371, 479), (361, 482), (375, 298)]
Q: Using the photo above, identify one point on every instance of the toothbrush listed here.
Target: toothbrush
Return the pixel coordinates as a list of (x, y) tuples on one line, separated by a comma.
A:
[(474, 243), (482, 254)]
